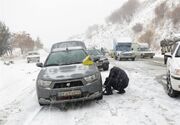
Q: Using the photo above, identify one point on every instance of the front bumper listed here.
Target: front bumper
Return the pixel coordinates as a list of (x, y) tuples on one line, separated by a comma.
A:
[(175, 82), (127, 57), (54, 101), (88, 92)]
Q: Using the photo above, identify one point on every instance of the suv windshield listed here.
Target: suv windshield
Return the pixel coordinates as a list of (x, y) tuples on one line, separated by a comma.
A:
[(123, 47), (178, 52), (66, 57)]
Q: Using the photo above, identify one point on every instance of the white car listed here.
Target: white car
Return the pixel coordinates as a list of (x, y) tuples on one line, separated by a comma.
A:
[(33, 57), (173, 71)]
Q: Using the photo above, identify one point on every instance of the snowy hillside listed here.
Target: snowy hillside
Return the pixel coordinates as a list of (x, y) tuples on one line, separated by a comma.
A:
[(103, 35)]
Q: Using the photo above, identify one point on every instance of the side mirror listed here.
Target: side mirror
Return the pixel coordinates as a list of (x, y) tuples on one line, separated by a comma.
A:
[(39, 65)]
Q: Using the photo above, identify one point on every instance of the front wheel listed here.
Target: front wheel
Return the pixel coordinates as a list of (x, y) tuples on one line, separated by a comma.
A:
[(170, 91), (133, 59), (100, 97)]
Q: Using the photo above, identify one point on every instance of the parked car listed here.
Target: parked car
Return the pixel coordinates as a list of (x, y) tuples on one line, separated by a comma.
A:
[(33, 56), (66, 44), (102, 62), (173, 71), (64, 77), (144, 52)]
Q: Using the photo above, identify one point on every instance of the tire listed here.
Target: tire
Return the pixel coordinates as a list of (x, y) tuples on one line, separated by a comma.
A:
[(105, 67), (42, 104), (133, 59), (119, 59), (165, 59), (100, 97), (172, 93), (152, 57), (28, 61)]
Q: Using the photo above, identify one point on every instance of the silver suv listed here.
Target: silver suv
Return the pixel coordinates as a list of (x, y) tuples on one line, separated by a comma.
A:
[(64, 78)]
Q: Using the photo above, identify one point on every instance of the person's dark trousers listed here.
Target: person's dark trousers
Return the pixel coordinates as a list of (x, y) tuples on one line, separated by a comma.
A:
[(108, 85)]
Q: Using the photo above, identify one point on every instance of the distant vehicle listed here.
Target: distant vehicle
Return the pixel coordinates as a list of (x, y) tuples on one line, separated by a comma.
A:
[(65, 78), (66, 44), (102, 61), (33, 56), (144, 51), (173, 71), (124, 50), (167, 45)]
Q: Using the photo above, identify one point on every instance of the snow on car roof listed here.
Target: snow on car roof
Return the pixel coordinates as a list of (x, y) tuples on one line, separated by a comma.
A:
[(69, 48)]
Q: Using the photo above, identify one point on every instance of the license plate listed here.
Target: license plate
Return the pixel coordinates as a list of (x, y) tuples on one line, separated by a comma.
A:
[(70, 93)]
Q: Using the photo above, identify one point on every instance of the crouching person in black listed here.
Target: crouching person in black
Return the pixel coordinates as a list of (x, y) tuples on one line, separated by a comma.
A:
[(117, 80)]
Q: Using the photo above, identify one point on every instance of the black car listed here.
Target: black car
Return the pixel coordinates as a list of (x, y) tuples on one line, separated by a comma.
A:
[(102, 62)]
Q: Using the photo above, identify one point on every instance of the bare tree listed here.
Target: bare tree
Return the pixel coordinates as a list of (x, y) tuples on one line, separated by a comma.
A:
[(161, 10), (137, 28), (175, 15), (5, 45), (38, 43), (23, 41), (147, 37)]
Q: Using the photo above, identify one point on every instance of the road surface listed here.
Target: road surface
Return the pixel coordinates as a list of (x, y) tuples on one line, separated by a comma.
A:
[(144, 103)]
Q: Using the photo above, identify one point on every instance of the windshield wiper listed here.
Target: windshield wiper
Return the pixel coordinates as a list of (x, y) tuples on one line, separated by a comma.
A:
[(51, 65), (70, 63)]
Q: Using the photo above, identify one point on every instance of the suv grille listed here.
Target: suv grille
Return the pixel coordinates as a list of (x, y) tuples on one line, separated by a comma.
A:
[(68, 84)]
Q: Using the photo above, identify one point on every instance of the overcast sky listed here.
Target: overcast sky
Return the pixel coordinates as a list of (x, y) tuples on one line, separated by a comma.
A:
[(55, 20)]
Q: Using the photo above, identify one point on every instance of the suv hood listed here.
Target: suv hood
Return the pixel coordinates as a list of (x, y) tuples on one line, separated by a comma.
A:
[(67, 72)]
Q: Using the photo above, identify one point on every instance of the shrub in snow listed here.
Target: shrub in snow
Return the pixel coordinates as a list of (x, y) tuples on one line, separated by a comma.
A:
[(125, 13), (175, 15), (137, 28), (147, 37), (161, 10)]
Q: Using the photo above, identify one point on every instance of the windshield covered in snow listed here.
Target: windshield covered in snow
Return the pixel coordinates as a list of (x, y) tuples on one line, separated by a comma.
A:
[(68, 44), (66, 57), (123, 47), (178, 52)]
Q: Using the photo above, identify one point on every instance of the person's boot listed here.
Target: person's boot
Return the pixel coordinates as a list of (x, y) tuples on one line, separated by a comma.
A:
[(121, 91), (107, 92)]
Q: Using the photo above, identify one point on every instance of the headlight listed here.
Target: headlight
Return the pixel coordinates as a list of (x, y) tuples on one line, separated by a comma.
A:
[(177, 72), (43, 83), (90, 78)]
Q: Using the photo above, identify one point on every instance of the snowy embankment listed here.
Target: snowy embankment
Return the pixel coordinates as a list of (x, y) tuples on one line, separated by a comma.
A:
[(17, 83)]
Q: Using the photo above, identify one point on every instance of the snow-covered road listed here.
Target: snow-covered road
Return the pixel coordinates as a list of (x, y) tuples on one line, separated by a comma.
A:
[(144, 103)]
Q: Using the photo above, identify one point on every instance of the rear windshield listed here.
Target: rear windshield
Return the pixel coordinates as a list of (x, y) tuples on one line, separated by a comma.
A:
[(33, 53), (66, 57), (94, 52)]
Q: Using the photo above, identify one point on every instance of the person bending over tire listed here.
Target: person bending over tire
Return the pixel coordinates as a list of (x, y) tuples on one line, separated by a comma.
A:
[(117, 80)]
